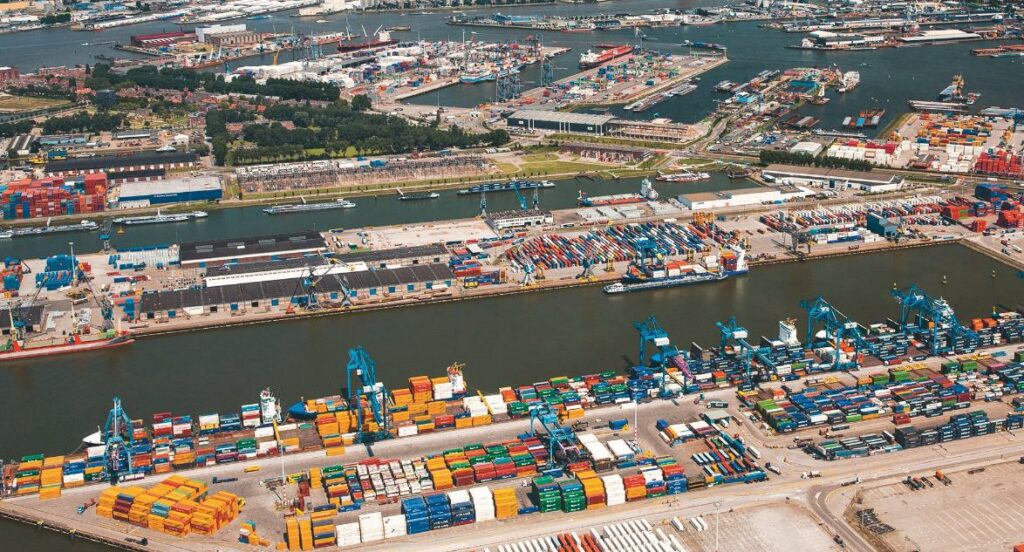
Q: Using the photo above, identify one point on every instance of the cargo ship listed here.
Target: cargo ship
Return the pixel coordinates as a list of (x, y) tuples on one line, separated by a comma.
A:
[(402, 196), (84, 226), (159, 218), (479, 74), (509, 186), (308, 207), (867, 118), (647, 193), (704, 45), (849, 81), (380, 38), (6, 234), (591, 59), (643, 276), (18, 351), (954, 93)]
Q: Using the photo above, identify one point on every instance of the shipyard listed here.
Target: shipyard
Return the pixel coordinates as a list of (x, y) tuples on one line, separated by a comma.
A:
[(543, 275)]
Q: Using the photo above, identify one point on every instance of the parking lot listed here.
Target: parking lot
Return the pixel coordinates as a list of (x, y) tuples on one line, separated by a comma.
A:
[(976, 512), (763, 528)]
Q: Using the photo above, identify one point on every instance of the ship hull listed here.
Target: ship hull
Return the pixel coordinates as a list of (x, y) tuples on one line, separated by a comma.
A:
[(36, 352), (668, 282)]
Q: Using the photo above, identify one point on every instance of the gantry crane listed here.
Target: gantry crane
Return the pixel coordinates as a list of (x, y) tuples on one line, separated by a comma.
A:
[(836, 327), (588, 269), (732, 331), (561, 439), (365, 391), (118, 440), (914, 300), (651, 333)]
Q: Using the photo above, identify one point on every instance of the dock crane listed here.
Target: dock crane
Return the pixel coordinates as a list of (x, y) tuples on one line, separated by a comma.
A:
[(363, 388), (651, 333), (914, 300), (118, 440), (561, 439), (588, 270), (836, 326), (17, 316), (732, 331)]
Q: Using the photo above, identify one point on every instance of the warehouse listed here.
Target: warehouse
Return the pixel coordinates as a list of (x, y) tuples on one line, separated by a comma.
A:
[(738, 198), (505, 220), (399, 256), (172, 190), (268, 271), (149, 165), (832, 179), (557, 121), (280, 294), (257, 248)]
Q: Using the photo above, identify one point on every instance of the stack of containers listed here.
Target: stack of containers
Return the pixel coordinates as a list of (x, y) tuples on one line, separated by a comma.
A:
[(483, 503), (495, 405), (573, 497), (421, 388), (417, 518), (593, 488), (371, 527), (26, 479), (654, 481), (614, 489), (675, 477), (394, 526), (440, 475), (347, 535), (50, 477), (439, 511), (461, 507), (548, 496), (322, 522), (247, 534), (506, 506), (636, 487), (442, 388)]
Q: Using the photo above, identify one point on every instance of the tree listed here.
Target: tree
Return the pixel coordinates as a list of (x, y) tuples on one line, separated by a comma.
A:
[(220, 149), (361, 103)]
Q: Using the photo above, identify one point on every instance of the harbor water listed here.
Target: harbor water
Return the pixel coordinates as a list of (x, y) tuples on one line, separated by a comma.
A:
[(369, 211)]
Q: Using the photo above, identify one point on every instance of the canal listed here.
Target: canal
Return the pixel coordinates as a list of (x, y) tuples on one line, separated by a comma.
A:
[(370, 211)]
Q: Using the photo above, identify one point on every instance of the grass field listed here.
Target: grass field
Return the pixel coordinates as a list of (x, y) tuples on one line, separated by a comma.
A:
[(20, 103)]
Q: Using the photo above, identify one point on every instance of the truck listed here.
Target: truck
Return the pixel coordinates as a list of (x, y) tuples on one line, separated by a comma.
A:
[(717, 404), (810, 474), (772, 468)]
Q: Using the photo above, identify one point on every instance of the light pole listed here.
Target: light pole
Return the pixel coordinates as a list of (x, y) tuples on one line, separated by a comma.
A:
[(718, 505)]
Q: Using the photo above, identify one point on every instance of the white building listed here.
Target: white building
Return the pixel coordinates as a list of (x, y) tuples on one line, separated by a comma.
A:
[(738, 198), (503, 220), (832, 179)]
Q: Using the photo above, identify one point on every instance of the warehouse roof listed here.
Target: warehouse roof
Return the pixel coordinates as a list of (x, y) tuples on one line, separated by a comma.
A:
[(394, 254), (264, 266), (118, 161), (251, 246), (279, 289), (517, 213), (169, 186), (562, 117), (605, 147), (822, 172)]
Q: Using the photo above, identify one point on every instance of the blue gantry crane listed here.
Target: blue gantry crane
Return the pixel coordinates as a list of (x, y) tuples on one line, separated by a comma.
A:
[(651, 333), (836, 326), (364, 390), (561, 439), (938, 311), (118, 440), (731, 331)]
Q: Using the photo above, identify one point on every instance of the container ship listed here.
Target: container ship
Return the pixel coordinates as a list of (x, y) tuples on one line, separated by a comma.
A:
[(76, 344), (647, 193), (642, 276), (509, 186), (954, 93), (591, 59), (704, 45), (402, 196), (380, 38), (84, 226), (308, 207), (160, 218)]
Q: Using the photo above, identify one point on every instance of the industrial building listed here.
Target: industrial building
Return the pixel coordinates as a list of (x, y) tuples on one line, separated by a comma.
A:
[(831, 40), (832, 179), (399, 256), (558, 121), (251, 249), (605, 153), (882, 226), (738, 198), (149, 165), (31, 316), (279, 294), (173, 190), (506, 220), (269, 271)]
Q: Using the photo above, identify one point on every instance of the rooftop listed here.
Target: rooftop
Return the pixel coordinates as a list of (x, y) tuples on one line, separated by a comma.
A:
[(251, 246), (393, 254), (169, 186), (562, 117), (822, 172), (117, 161)]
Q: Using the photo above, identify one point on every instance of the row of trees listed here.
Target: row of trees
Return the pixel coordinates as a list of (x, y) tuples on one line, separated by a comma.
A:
[(170, 78), (10, 130), (768, 157), (83, 122)]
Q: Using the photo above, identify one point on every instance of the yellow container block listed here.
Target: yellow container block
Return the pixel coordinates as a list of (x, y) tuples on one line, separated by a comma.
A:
[(481, 420), (336, 451)]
